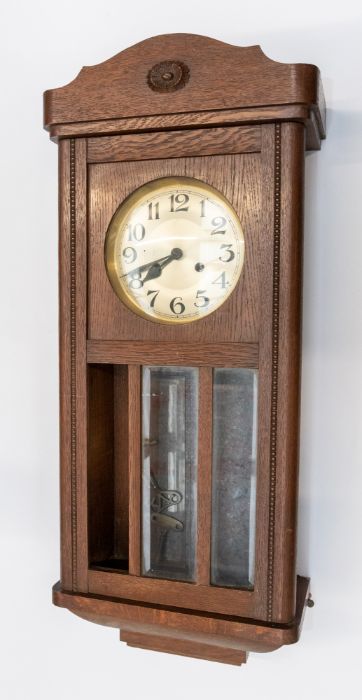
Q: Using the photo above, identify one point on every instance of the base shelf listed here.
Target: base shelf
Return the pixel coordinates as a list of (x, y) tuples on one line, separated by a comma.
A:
[(208, 636), (184, 647)]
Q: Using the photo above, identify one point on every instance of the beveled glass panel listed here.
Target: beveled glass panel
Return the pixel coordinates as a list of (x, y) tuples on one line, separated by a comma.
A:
[(234, 476), (169, 455)]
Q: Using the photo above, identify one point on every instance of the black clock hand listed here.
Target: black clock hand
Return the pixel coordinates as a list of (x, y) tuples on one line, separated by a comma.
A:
[(154, 271), (157, 267), (144, 267)]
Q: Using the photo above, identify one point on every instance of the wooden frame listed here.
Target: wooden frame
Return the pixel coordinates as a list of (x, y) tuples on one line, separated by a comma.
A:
[(253, 151)]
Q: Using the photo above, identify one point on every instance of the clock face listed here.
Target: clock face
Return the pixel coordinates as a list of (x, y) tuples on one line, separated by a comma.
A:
[(174, 250)]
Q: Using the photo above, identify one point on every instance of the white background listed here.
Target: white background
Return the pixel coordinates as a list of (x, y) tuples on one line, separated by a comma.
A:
[(47, 652)]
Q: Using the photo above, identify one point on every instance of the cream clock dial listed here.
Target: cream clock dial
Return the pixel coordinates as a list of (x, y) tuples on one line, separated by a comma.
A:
[(174, 250)]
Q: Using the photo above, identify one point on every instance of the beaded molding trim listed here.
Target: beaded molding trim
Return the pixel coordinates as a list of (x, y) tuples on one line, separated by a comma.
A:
[(73, 348), (274, 378)]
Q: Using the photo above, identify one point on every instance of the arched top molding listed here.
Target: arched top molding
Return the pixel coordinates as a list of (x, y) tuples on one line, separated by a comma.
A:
[(179, 74)]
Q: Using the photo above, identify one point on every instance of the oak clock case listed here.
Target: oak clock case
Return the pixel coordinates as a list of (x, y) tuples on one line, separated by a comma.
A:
[(181, 195)]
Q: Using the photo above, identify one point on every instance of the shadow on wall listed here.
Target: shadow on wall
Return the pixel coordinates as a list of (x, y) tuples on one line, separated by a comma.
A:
[(332, 335)]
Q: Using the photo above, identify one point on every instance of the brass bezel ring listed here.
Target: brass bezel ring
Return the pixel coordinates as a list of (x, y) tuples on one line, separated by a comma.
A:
[(119, 220)]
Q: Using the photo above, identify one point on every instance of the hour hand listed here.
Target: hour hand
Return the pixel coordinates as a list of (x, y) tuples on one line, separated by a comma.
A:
[(156, 266), (144, 267), (154, 271)]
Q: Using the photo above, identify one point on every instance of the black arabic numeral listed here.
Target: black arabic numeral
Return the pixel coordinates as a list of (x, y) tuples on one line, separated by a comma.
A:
[(153, 210), (200, 296), (153, 299), (135, 281), (136, 232), (177, 301), (219, 222), (228, 251), (129, 254), (221, 280), (181, 200)]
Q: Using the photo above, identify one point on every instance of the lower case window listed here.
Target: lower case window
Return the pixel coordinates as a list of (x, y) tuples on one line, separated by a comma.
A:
[(171, 431), (234, 475), (169, 458)]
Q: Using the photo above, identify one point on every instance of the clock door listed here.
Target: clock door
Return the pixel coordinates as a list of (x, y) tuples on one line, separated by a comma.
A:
[(170, 434)]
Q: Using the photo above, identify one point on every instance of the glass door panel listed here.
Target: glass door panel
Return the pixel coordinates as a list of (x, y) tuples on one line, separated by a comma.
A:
[(169, 458), (234, 476)]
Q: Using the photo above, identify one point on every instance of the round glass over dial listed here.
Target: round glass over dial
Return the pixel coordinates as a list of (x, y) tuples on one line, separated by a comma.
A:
[(174, 250)]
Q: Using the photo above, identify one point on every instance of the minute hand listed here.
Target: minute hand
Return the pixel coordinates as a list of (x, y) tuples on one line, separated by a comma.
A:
[(144, 267)]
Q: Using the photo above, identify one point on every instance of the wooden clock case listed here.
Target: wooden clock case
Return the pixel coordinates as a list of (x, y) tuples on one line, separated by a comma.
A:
[(181, 104)]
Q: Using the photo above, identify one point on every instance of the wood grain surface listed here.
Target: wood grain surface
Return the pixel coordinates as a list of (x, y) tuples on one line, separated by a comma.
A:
[(204, 480), (227, 631), (100, 478), (65, 380), (289, 369), (247, 336), (73, 363), (196, 120), (184, 647), (193, 596), (121, 470), (247, 333), (134, 468), (220, 76), (188, 354), (174, 144), (239, 178)]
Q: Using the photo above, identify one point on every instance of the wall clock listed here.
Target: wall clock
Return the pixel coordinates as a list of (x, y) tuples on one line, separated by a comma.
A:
[(181, 200)]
